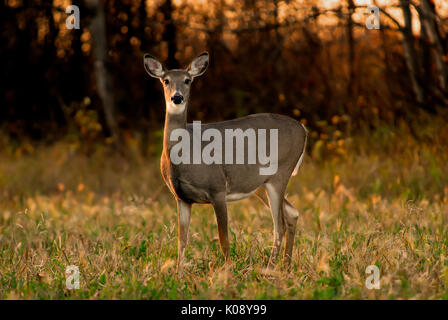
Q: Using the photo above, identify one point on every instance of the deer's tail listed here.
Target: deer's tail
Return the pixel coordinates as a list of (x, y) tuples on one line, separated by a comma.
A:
[(299, 163)]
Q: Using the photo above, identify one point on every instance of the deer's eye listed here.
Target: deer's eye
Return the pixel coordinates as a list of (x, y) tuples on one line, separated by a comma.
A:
[(187, 81), (166, 81)]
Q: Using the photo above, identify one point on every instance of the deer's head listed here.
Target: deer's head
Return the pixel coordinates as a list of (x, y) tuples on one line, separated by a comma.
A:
[(177, 82)]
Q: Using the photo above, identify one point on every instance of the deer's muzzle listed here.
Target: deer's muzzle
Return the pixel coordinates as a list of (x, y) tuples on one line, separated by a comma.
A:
[(177, 99)]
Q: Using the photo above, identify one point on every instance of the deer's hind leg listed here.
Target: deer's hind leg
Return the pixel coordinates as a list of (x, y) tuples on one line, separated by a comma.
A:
[(289, 215), (276, 194)]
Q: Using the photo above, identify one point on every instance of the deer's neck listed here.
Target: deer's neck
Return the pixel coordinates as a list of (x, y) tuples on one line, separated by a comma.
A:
[(173, 120)]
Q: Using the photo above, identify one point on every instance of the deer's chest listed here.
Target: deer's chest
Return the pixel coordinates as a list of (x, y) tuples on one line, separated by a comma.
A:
[(182, 186)]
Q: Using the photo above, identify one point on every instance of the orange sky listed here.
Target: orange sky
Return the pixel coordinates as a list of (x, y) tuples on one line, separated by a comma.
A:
[(442, 8)]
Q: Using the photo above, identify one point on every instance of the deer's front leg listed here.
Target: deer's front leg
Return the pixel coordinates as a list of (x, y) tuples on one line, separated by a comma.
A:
[(220, 207), (184, 212)]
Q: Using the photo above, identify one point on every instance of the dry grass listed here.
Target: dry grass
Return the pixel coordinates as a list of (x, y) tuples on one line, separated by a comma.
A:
[(382, 202)]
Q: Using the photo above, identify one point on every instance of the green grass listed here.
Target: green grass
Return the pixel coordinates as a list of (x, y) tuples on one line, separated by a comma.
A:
[(372, 201)]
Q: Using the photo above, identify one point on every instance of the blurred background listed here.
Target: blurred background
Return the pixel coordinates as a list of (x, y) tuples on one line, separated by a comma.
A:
[(314, 60), (81, 127)]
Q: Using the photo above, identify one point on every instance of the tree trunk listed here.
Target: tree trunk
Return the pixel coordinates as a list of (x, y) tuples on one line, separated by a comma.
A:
[(103, 77), (409, 50), (430, 24), (351, 49), (169, 34)]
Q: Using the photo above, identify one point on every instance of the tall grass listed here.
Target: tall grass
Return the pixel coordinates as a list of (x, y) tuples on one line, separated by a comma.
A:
[(374, 199)]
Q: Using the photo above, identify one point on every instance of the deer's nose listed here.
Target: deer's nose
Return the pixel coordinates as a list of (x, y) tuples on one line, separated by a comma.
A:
[(177, 98)]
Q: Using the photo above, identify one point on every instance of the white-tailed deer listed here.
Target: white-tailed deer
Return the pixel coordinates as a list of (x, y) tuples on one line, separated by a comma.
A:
[(217, 183)]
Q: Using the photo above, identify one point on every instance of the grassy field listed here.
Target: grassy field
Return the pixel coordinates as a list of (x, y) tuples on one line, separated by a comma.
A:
[(374, 199)]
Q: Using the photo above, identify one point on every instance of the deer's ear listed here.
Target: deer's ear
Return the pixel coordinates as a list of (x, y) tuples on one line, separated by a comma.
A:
[(198, 65), (153, 66)]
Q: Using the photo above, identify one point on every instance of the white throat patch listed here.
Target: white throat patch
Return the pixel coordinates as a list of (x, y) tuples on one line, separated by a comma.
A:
[(175, 108)]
